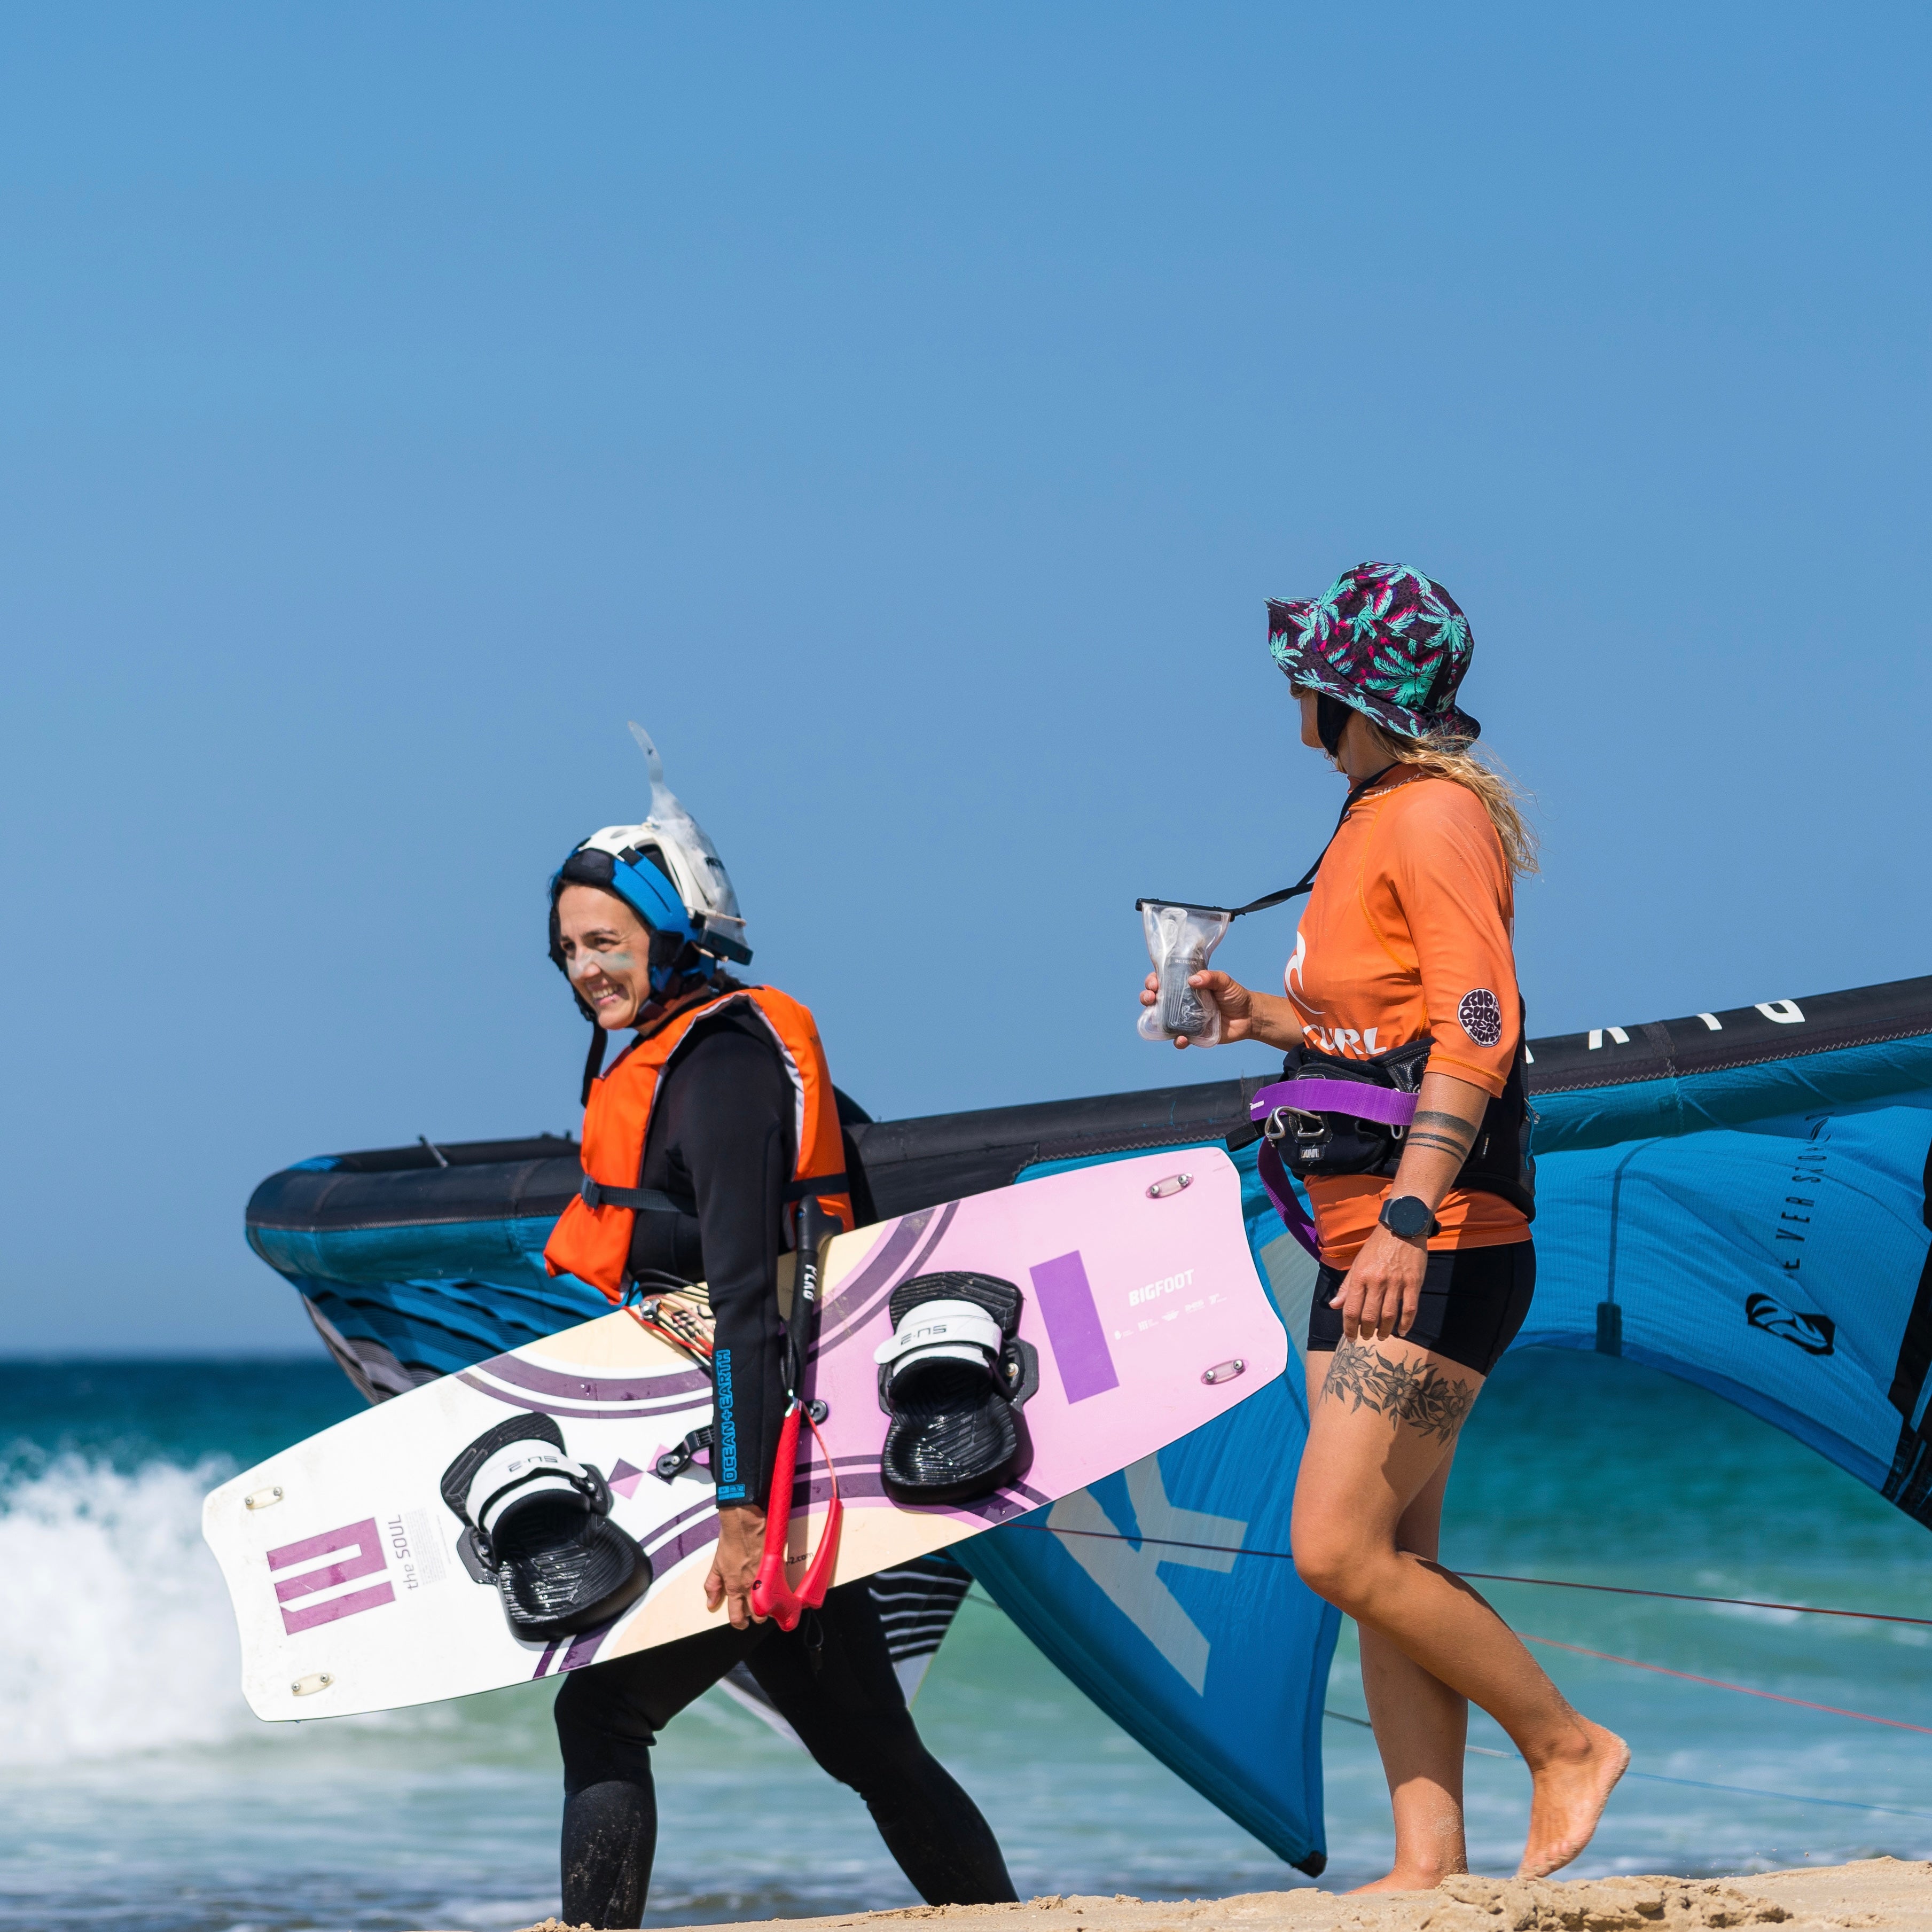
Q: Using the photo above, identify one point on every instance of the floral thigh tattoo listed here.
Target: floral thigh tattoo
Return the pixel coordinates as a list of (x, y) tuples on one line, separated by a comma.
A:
[(1425, 1399)]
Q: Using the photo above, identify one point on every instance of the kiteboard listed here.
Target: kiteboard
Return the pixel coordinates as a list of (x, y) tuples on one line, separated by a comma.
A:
[(356, 1587)]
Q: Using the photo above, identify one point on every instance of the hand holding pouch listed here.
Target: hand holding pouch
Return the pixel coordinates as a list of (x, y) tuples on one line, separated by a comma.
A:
[(1181, 941)]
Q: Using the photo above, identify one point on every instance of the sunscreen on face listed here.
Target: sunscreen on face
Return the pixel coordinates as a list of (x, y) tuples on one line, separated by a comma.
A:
[(584, 961)]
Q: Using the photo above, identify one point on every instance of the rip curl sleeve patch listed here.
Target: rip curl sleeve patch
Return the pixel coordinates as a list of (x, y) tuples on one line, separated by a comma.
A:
[(1480, 1013)]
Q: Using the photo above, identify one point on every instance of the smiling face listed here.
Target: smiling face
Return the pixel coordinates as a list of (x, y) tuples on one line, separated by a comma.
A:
[(607, 952)]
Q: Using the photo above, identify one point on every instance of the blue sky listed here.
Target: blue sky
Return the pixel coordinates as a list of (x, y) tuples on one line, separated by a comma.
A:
[(903, 411)]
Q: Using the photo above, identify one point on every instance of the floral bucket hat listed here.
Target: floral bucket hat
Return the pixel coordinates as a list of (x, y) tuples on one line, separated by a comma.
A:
[(1385, 639)]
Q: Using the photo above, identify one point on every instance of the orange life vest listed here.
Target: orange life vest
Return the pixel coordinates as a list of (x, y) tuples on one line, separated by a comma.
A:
[(593, 1239)]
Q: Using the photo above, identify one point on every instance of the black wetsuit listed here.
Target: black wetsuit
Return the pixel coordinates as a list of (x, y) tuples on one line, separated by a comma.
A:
[(722, 1139)]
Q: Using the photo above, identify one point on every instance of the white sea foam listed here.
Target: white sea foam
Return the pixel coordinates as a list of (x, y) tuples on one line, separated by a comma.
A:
[(118, 1633)]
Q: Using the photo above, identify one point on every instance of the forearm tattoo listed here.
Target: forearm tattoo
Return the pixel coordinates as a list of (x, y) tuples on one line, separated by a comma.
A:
[(1427, 1400), (1449, 1132)]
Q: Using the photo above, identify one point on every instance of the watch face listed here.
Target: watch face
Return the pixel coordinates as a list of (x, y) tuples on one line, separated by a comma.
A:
[(1406, 1216)]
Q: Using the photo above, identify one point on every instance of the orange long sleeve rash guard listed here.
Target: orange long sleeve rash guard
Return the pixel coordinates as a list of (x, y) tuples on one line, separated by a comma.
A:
[(1407, 932)]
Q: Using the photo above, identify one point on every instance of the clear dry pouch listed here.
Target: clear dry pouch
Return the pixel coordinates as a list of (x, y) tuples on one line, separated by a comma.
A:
[(1181, 941)]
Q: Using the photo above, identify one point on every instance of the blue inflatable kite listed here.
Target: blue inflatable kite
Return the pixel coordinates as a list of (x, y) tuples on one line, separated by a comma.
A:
[(1739, 1198)]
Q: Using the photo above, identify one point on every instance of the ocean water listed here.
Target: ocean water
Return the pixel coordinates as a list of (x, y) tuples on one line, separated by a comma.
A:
[(137, 1791)]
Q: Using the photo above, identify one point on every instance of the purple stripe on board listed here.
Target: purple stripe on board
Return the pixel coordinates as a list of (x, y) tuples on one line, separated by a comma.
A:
[(548, 1657), (583, 1648), (652, 1539), (859, 1476), (593, 1388), (697, 1529), (868, 1486), (700, 1536), (849, 1306), (1080, 1350), (903, 1271), (669, 1406)]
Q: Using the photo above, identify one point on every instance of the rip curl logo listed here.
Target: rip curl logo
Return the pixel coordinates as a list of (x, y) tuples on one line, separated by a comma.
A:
[(1482, 1016), (1816, 1334), (1291, 977)]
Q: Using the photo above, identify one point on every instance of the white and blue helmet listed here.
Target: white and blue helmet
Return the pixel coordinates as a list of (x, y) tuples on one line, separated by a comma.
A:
[(669, 872)]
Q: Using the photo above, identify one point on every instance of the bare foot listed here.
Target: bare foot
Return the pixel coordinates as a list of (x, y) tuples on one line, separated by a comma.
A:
[(1568, 1799), (1399, 1880)]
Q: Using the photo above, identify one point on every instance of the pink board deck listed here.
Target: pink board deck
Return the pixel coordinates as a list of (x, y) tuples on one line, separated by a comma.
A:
[(342, 1561)]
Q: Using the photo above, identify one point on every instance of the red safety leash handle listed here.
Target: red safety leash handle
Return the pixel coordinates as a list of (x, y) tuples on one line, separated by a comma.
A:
[(771, 1595)]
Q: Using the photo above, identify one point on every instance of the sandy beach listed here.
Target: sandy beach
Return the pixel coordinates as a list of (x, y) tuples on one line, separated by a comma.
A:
[(1873, 1893)]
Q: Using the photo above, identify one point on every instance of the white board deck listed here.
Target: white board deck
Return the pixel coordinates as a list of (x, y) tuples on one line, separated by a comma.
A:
[(342, 1561)]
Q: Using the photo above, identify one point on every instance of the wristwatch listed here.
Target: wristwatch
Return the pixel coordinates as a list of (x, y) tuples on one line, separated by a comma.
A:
[(1408, 1219)]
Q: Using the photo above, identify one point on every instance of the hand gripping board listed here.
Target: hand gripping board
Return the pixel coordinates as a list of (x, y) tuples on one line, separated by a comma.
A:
[(344, 1565)]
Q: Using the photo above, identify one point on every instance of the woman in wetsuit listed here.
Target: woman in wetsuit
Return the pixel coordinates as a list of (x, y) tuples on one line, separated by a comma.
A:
[(730, 1107), (1427, 1269)]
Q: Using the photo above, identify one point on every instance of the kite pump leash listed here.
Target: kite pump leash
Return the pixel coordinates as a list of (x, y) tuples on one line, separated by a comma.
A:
[(771, 1595)]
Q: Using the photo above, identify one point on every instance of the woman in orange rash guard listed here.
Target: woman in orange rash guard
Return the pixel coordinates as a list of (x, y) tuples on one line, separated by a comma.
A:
[(1428, 1269)]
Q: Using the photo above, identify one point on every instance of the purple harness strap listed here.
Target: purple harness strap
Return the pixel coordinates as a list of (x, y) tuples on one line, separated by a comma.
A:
[(1281, 1191), (1382, 1105)]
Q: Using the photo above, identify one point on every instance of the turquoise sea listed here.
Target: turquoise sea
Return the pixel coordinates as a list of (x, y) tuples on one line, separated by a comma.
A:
[(138, 1792)]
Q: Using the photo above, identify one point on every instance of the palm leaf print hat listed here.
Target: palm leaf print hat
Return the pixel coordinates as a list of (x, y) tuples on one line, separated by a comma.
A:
[(1383, 638)]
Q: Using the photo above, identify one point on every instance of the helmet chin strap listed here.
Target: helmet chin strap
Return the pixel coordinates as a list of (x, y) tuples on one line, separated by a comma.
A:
[(666, 949)]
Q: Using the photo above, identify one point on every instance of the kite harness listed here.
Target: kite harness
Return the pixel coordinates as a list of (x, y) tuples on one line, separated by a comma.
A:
[(1329, 1115)]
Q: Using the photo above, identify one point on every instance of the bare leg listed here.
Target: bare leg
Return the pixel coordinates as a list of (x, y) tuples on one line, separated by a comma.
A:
[(1382, 1425), (1421, 1726)]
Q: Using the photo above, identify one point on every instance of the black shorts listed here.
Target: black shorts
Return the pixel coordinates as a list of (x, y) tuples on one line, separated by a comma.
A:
[(1473, 1300)]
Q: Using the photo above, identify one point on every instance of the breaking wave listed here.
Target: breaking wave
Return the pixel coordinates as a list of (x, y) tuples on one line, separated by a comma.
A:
[(119, 1636)]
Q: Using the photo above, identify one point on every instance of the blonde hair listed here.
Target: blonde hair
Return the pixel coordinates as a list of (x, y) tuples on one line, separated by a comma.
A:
[(1456, 760)]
